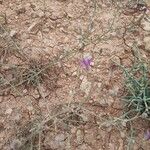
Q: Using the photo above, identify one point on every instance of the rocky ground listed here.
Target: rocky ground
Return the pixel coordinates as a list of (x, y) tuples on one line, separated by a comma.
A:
[(67, 104)]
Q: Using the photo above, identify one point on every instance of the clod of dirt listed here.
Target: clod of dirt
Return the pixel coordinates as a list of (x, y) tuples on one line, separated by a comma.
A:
[(57, 142), (1, 1), (84, 147), (3, 19), (147, 43), (1, 127), (8, 111), (21, 10), (36, 94), (15, 145), (35, 27), (25, 91), (80, 137)]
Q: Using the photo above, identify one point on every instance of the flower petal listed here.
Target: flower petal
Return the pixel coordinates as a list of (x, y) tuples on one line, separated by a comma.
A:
[(86, 62)]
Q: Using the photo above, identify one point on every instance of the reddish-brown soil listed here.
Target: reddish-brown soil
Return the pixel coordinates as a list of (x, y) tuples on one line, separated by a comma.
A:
[(71, 107)]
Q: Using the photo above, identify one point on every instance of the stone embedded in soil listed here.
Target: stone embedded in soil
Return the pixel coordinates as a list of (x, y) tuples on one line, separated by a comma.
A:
[(85, 86), (60, 137), (122, 134), (116, 60), (25, 91), (3, 19), (80, 137), (84, 147), (99, 84), (36, 94), (147, 43), (1, 99), (146, 25), (8, 111)]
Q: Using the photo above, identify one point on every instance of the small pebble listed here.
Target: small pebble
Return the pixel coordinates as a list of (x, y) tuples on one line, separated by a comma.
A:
[(13, 33), (8, 111)]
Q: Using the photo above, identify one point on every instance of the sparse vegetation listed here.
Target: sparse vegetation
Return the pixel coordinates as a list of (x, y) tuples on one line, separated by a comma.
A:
[(138, 91), (53, 111)]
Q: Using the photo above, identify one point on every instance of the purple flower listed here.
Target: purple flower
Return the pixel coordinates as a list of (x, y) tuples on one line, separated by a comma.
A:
[(147, 135), (86, 62)]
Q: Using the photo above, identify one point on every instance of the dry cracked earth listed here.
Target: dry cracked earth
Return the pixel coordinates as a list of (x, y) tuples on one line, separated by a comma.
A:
[(48, 100)]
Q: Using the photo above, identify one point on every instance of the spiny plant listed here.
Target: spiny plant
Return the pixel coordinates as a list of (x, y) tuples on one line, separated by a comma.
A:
[(39, 72), (30, 75), (31, 134), (9, 46), (138, 91)]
